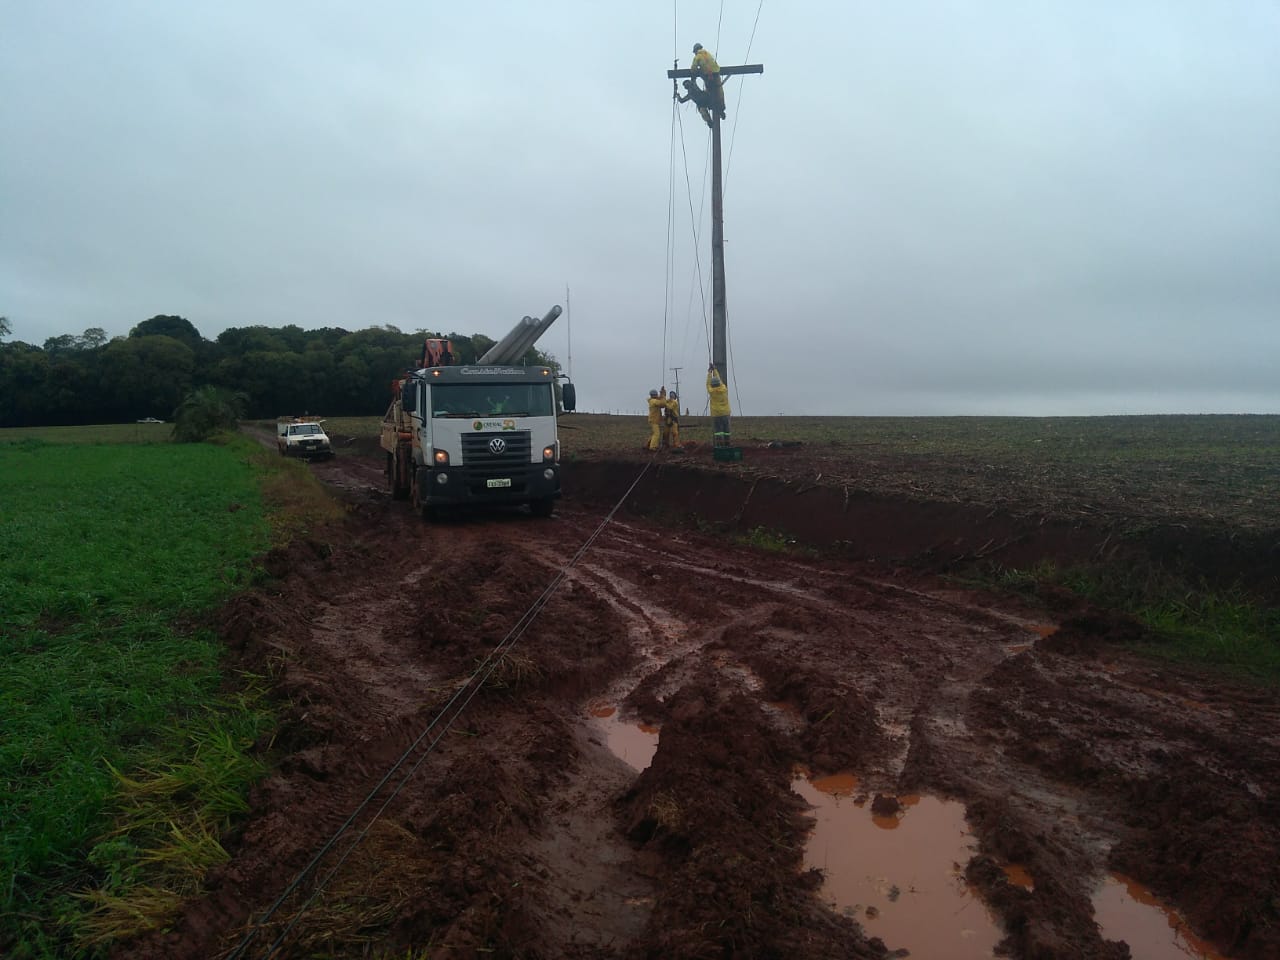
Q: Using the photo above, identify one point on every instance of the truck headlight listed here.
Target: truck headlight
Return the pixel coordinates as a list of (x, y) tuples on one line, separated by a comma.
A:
[(549, 453), (441, 457), (549, 474)]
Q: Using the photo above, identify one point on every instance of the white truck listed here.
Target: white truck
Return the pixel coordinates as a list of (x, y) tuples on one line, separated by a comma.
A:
[(302, 437), (478, 434)]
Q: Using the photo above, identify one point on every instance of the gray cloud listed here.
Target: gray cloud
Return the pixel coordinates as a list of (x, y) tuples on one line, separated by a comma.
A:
[(946, 208)]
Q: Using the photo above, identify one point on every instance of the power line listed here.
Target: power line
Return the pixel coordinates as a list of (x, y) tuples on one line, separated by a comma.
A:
[(470, 688), (733, 135)]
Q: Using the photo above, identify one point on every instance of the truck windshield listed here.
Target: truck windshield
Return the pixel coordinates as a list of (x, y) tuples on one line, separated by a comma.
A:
[(491, 400), (305, 429)]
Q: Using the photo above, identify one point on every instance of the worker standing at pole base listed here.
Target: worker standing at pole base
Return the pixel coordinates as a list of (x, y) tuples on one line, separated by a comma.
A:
[(657, 405), (718, 391), (704, 65), (671, 429)]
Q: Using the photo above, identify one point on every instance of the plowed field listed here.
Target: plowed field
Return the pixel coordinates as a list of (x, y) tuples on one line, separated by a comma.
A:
[(702, 748)]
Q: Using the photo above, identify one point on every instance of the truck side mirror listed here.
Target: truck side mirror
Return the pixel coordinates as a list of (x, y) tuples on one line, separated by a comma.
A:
[(568, 397), (409, 396)]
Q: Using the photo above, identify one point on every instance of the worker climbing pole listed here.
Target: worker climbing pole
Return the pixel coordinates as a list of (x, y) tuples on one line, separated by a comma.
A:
[(709, 98)]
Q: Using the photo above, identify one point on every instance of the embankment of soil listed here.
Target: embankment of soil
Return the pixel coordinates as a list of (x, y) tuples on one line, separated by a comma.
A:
[(933, 535)]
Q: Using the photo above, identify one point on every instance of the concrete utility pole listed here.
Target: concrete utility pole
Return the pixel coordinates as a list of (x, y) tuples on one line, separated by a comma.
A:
[(719, 339)]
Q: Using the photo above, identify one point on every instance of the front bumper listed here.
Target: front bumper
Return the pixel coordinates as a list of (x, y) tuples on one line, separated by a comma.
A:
[(465, 485), (309, 450)]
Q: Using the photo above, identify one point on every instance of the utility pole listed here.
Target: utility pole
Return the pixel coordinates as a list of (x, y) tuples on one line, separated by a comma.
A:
[(676, 371), (719, 336)]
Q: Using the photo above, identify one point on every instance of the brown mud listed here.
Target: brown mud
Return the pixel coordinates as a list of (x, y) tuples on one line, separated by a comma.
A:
[(521, 834)]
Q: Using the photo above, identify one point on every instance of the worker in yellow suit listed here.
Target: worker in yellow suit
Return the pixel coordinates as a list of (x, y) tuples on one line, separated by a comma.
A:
[(704, 65), (718, 391), (657, 405), (671, 428)]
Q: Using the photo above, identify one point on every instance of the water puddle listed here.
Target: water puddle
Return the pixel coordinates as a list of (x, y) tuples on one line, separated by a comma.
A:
[(633, 743), (1126, 910), (893, 862)]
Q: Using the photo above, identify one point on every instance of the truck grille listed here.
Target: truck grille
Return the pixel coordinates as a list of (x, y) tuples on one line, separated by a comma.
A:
[(482, 462)]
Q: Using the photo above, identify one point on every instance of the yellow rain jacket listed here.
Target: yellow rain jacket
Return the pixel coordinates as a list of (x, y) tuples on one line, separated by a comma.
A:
[(656, 406), (719, 397), (655, 409), (704, 61)]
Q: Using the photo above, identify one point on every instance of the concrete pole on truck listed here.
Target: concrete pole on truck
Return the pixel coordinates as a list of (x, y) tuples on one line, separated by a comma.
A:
[(719, 320), (522, 336)]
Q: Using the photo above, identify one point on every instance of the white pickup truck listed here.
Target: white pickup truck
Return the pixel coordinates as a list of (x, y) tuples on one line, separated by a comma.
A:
[(302, 438)]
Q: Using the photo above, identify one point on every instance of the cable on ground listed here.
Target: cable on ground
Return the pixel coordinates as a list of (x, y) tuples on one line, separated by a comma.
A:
[(470, 688)]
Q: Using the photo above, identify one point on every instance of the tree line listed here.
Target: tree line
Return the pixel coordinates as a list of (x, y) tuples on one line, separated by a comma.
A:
[(91, 378)]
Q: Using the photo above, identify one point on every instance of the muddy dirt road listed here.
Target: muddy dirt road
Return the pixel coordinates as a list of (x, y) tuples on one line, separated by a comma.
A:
[(704, 749)]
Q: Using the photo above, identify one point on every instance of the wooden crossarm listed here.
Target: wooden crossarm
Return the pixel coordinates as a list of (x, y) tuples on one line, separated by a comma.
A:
[(724, 71)]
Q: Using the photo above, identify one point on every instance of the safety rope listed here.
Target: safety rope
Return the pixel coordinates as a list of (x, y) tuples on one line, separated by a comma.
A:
[(470, 688), (694, 224), (737, 109), (667, 303), (728, 164)]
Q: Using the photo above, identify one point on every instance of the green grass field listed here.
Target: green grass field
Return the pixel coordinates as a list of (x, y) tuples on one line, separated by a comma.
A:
[(132, 433), (122, 755)]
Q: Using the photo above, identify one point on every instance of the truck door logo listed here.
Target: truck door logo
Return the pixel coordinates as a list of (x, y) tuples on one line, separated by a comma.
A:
[(497, 445)]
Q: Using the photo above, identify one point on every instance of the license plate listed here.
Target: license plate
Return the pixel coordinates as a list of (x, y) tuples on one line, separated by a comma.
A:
[(504, 482)]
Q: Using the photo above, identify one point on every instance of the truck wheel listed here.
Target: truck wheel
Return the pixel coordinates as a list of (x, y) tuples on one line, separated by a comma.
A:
[(429, 513), (542, 508)]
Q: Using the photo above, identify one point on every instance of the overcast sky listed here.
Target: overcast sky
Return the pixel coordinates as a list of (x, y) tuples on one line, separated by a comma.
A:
[(931, 207)]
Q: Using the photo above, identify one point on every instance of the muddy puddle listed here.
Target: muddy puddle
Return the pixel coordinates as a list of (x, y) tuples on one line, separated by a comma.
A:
[(1126, 910), (890, 861), (633, 742)]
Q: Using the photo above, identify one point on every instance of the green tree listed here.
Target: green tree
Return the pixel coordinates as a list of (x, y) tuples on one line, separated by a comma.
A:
[(4, 327), (162, 325), (205, 411), (144, 377), (24, 377)]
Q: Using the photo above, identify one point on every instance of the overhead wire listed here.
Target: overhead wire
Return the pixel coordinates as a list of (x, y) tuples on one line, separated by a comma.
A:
[(693, 219), (668, 296), (728, 164), (737, 112), (704, 282), (470, 688), (668, 303)]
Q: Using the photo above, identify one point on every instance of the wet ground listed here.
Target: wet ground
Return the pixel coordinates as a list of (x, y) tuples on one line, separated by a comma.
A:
[(704, 749)]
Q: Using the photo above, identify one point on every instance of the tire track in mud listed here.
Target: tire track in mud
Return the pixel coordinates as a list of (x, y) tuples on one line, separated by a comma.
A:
[(526, 836)]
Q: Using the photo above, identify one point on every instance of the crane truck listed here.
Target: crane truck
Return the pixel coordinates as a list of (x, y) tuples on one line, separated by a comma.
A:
[(483, 433)]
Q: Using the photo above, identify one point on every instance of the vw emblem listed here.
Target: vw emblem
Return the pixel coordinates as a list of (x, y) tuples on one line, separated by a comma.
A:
[(497, 445)]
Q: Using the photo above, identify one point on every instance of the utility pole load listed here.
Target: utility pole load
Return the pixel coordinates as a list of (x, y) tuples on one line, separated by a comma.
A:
[(522, 336), (714, 94)]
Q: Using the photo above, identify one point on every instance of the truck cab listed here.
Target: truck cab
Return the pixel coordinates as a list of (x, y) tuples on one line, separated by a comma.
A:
[(475, 435)]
